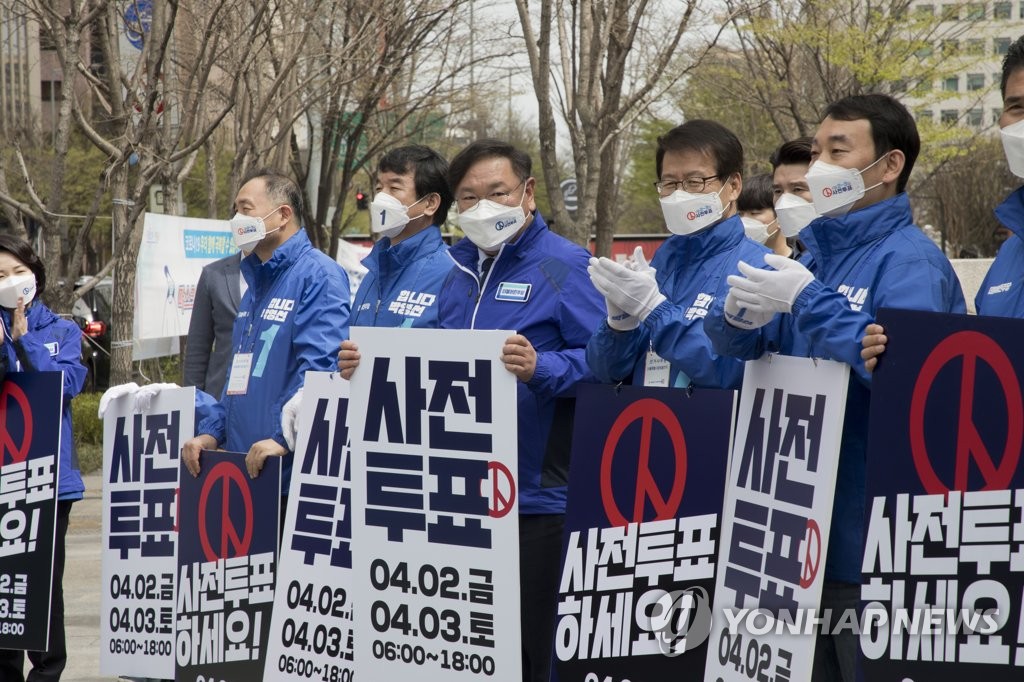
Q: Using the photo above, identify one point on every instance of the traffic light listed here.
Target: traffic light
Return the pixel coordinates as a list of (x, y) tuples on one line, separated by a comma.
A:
[(362, 202)]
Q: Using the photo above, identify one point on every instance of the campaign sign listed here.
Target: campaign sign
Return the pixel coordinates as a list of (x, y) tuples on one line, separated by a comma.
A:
[(140, 531), (435, 524), (30, 413), (227, 562), (311, 630), (943, 569), (645, 491), (776, 520)]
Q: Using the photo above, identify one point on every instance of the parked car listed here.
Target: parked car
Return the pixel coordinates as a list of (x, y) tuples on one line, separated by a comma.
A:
[(92, 313)]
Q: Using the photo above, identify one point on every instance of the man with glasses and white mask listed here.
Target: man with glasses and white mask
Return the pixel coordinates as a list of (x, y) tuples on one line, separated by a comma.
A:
[(654, 331), (512, 272), (866, 253)]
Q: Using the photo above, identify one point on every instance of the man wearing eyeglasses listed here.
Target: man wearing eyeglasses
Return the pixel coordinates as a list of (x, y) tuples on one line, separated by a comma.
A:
[(654, 332), (512, 272)]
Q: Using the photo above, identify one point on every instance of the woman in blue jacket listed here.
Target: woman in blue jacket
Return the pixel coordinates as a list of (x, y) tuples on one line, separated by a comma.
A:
[(34, 339)]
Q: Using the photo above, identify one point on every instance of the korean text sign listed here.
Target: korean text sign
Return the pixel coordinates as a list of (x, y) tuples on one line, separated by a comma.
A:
[(30, 414), (943, 568), (311, 633), (645, 493), (227, 563), (435, 527), (140, 532), (776, 520)]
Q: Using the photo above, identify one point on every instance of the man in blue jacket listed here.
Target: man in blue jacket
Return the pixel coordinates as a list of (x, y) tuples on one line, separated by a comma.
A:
[(866, 253), (409, 262), (512, 272), (654, 331), (292, 319)]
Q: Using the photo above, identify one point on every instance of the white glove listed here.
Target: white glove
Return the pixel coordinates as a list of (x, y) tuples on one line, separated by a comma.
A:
[(290, 418), (744, 318), (113, 393), (635, 293), (617, 318), (770, 290), (144, 396), (638, 262)]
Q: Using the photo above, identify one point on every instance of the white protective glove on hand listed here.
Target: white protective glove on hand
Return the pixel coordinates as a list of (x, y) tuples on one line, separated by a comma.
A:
[(290, 418), (144, 396), (618, 319), (741, 317), (113, 393), (761, 291), (634, 293)]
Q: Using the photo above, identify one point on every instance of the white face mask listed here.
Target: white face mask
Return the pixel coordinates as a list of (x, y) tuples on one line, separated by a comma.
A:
[(17, 286), (834, 189), (490, 224), (794, 214), (390, 216), (1013, 146), (687, 213), (757, 230), (249, 231)]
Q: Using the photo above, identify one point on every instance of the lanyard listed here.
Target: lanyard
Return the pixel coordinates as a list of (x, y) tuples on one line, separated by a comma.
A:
[(256, 325)]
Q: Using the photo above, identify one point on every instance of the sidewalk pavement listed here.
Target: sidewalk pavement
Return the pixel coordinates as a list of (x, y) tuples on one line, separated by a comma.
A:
[(82, 586)]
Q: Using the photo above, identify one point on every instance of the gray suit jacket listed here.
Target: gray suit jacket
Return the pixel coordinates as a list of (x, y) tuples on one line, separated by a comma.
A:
[(208, 348)]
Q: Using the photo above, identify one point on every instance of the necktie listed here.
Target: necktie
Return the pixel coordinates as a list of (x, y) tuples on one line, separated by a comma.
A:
[(485, 267)]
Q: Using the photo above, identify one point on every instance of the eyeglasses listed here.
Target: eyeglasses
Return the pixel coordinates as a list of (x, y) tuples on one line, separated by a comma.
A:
[(468, 201), (694, 185)]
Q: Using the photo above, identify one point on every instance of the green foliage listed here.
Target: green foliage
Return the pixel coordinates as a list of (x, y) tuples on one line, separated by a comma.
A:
[(196, 190), (641, 212), (85, 424)]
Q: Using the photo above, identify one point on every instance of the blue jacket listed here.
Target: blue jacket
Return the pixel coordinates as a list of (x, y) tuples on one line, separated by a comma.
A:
[(872, 258), (691, 273), (292, 319), (401, 287), (560, 311), (52, 344), (1002, 291)]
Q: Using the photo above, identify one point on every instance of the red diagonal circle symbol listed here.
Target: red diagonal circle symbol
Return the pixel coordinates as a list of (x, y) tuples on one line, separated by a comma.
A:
[(503, 489), (18, 453), (969, 346), (647, 412), (228, 478), (812, 554)]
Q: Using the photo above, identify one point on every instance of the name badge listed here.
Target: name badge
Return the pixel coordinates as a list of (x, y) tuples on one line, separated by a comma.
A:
[(657, 370), (238, 382), (52, 347), (513, 291)]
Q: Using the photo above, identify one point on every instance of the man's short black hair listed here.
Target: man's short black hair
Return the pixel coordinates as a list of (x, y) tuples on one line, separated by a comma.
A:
[(23, 251), (488, 148), (1013, 60), (757, 194), (707, 137), (430, 174), (892, 126), (281, 189), (792, 152)]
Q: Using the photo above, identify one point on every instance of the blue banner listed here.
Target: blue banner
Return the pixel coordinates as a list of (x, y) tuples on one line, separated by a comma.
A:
[(30, 414), (646, 488), (943, 569), (227, 563), (207, 244)]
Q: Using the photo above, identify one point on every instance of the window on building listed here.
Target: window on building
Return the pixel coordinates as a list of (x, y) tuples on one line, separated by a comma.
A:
[(925, 51), (923, 87), (1000, 46), (975, 81), (925, 10), (950, 46), (975, 11), (951, 12), (949, 116), (975, 46), (974, 118), (951, 84), (924, 115), (1002, 10), (50, 91)]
